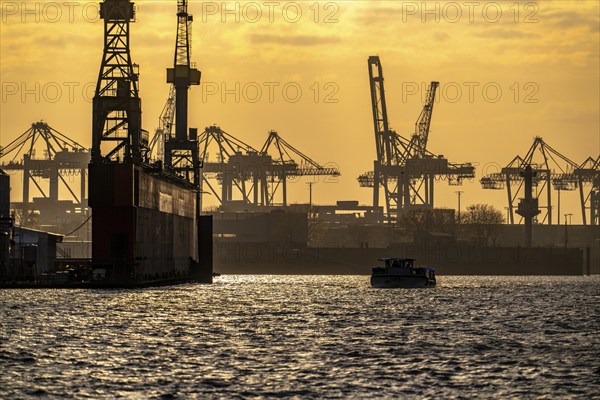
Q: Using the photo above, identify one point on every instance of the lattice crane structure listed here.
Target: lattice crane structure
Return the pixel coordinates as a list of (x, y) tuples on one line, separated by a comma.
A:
[(588, 176), (181, 150), (553, 171), (404, 168), (51, 162), (236, 168), (117, 117), (251, 178), (165, 127), (287, 162)]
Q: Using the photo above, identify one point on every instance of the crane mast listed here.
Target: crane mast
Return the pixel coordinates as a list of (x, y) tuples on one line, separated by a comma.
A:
[(380, 119), (419, 139), (181, 150), (117, 117)]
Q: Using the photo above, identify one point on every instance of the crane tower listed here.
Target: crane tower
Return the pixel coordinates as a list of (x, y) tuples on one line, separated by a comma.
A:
[(181, 150)]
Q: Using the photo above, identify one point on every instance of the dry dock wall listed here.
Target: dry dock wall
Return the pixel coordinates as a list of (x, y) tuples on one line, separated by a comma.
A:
[(142, 223)]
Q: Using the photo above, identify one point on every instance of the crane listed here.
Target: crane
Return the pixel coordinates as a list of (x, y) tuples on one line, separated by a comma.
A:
[(236, 163), (165, 127), (287, 161), (50, 161), (251, 178), (390, 147), (181, 150), (588, 174), (421, 135), (552, 170), (117, 134), (405, 168)]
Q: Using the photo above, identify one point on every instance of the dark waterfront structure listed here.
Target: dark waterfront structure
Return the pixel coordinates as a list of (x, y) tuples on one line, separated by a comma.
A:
[(144, 213)]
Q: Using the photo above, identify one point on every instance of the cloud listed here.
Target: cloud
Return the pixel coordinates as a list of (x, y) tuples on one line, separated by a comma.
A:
[(441, 36), (298, 40), (506, 33), (571, 20)]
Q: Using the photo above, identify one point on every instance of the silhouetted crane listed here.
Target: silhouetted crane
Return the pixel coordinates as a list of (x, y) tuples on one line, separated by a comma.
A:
[(405, 168), (552, 170)]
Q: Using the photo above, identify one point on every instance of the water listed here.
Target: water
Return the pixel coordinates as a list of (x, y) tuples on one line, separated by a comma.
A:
[(306, 337)]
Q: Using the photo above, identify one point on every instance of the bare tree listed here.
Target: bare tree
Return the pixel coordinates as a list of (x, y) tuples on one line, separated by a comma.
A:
[(483, 222)]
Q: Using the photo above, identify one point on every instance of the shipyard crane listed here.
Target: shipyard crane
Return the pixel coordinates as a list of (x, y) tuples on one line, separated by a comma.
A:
[(62, 160), (117, 133), (405, 168), (145, 217), (287, 161), (165, 127), (552, 170), (181, 150)]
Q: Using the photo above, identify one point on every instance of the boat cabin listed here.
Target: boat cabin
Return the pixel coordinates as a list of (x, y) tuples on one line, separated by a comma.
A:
[(398, 262)]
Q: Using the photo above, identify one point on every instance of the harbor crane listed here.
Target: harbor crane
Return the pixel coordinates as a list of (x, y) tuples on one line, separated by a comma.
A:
[(165, 127), (551, 171), (588, 175), (61, 162), (405, 169), (181, 150), (287, 162), (237, 168), (117, 133), (252, 178)]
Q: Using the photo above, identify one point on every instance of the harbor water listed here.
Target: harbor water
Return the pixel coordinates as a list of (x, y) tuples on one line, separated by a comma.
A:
[(306, 337)]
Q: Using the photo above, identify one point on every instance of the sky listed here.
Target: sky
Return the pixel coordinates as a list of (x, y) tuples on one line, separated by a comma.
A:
[(509, 71)]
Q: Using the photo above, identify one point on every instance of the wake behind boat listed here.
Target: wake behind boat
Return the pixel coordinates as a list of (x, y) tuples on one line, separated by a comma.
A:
[(401, 273)]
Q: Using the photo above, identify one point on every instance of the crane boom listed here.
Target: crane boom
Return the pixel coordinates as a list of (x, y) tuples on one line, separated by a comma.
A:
[(165, 126), (423, 122), (380, 119)]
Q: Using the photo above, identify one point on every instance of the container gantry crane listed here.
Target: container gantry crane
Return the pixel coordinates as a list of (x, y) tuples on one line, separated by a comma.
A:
[(588, 175), (63, 160), (552, 171), (286, 162), (252, 178), (237, 168), (404, 168)]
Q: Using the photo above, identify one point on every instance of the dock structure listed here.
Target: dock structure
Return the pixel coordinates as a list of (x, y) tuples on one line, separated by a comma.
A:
[(145, 215)]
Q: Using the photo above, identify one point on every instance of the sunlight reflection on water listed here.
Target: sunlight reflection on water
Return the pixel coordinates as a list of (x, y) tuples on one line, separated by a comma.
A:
[(306, 336)]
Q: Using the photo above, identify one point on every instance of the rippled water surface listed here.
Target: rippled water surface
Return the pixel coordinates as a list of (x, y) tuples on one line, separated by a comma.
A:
[(309, 337)]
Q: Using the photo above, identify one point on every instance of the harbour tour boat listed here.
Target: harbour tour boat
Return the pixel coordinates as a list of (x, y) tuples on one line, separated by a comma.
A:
[(401, 273)]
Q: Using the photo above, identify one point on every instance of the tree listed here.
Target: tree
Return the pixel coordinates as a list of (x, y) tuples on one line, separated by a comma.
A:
[(483, 222)]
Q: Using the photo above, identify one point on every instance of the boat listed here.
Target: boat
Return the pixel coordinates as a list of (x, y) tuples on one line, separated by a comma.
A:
[(401, 273)]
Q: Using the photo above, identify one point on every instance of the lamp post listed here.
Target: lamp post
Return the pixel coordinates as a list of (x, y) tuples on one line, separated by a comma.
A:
[(459, 192), (566, 233), (310, 185)]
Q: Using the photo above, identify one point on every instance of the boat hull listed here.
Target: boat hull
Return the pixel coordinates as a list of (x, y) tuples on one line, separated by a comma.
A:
[(399, 281)]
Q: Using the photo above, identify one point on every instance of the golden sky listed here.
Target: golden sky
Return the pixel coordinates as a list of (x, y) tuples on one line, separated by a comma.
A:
[(543, 56)]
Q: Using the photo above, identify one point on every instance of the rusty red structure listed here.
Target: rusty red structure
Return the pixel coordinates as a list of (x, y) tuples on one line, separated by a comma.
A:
[(145, 215)]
